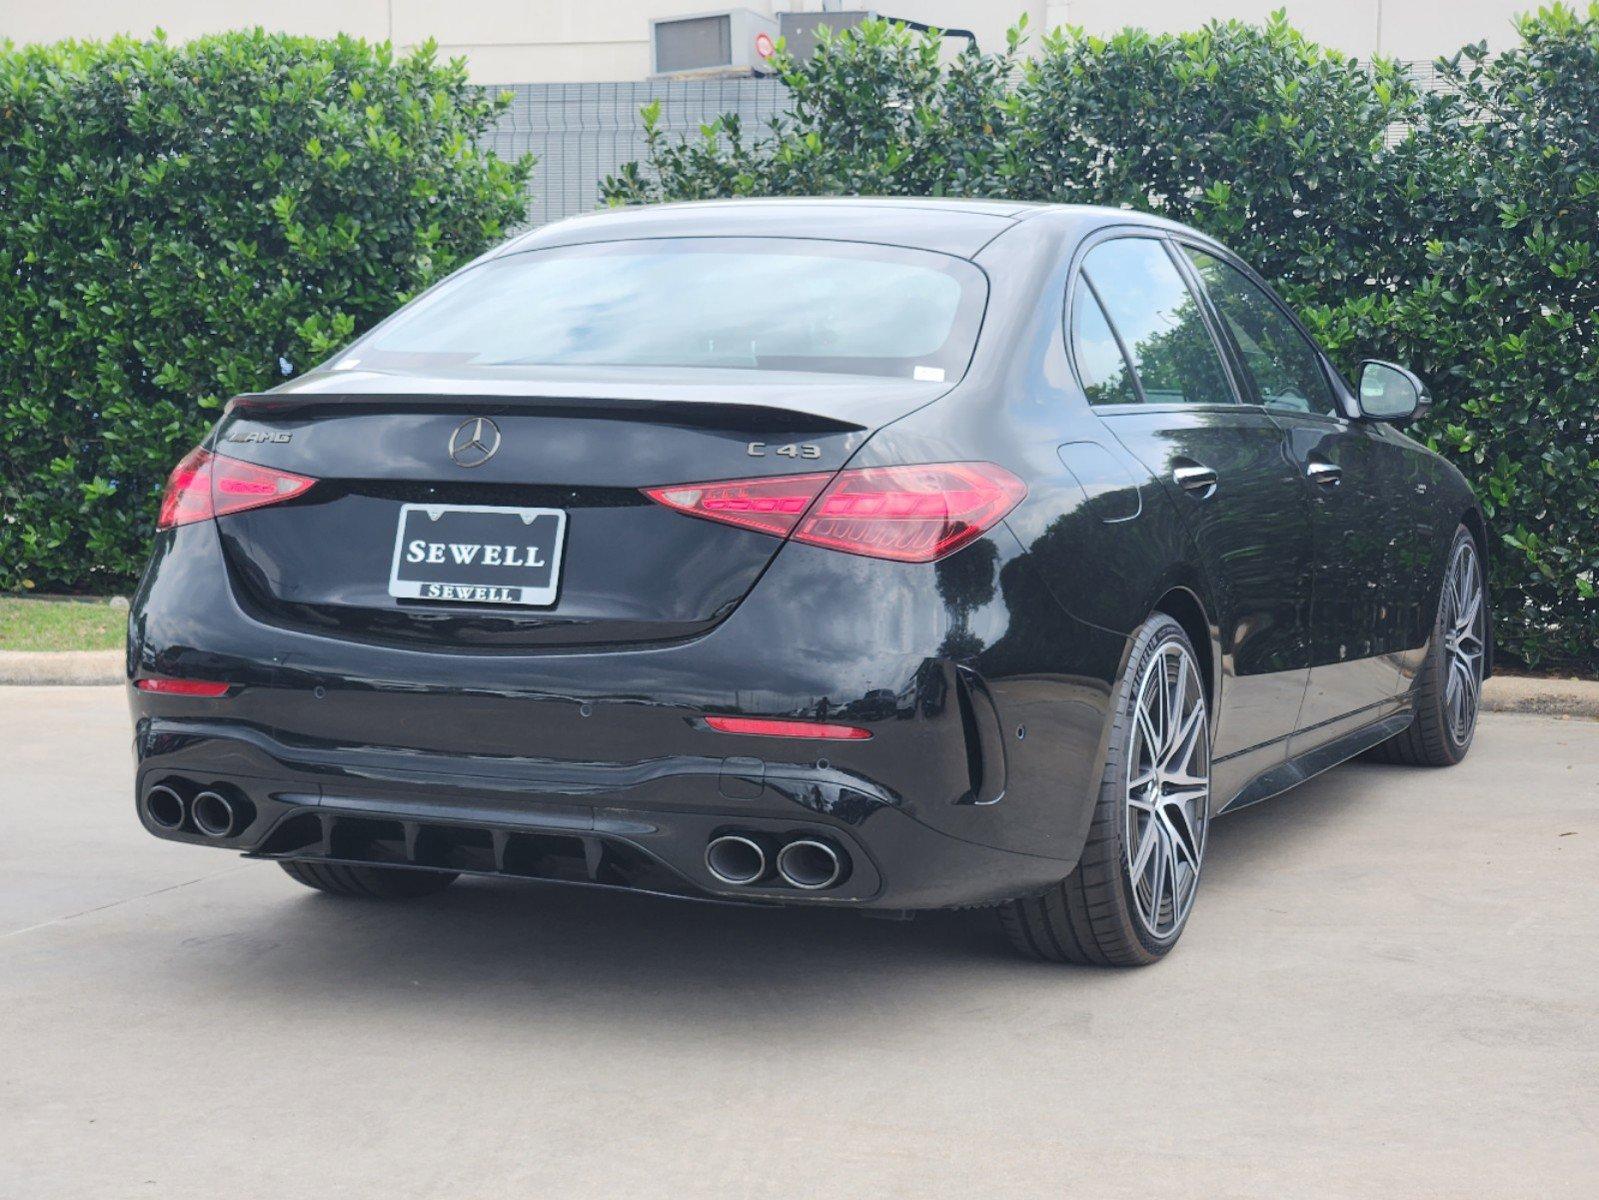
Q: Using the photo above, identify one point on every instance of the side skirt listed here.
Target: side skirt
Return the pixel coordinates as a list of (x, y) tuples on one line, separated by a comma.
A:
[(1295, 771)]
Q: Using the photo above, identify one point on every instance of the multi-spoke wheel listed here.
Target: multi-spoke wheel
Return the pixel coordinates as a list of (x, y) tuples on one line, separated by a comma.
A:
[(1130, 896), (1463, 641), (1168, 795), (1448, 689)]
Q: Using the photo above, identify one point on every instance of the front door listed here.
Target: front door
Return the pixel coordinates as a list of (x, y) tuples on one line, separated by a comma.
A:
[(1355, 663), (1154, 371), (1348, 475)]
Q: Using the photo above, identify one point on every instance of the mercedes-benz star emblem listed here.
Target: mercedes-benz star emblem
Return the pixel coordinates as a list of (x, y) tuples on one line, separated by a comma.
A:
[(474, 442)]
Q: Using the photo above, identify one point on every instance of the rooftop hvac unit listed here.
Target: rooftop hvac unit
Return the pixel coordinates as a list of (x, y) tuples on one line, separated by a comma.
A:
[(799, 28), (800, 35), (733, 41)]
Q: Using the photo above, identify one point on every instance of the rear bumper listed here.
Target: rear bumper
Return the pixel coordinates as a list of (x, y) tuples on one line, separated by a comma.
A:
[(987, 713), (645, 828)]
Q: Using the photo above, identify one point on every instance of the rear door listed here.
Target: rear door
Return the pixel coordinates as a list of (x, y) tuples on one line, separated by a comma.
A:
[(1349, 476), (1152, 367)]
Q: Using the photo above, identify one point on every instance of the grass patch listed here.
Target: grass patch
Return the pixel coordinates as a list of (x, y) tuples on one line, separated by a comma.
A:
[(61, 624)]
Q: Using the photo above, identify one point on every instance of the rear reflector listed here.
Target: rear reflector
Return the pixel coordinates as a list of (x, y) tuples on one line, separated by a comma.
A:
[(183, 687), (207, 485), (910, 514), (759, 727)]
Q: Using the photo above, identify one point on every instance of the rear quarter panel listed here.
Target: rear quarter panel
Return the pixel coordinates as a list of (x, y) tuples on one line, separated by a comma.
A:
[(1048, 627)]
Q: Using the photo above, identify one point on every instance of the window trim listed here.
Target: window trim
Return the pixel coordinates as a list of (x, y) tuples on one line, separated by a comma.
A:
[(1163, 238)]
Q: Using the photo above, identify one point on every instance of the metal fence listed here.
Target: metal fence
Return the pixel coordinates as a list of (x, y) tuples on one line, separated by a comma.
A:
[(582, 132)]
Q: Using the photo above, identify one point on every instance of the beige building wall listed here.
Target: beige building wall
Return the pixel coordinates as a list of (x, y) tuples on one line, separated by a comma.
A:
[(537, 41)]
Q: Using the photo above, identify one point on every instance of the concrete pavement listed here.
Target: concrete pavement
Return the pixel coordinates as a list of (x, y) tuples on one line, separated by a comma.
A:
[(1390, 987)]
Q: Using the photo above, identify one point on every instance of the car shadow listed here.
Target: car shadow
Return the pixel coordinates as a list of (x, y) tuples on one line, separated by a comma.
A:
[(1276, 831), (530, 947), (610, 941)]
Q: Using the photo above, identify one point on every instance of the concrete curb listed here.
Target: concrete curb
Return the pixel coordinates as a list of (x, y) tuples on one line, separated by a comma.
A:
[(1548, 697), (1502, 693), (61, 666)]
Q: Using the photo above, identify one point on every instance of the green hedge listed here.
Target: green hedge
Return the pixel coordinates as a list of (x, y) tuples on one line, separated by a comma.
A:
[(1455, 231), (181, 223)]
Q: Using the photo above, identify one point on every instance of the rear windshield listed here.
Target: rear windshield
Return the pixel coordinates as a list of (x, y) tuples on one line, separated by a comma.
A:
[(762, 304)]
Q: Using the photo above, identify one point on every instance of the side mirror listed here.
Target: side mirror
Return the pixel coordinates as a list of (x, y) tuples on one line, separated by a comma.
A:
[(1390, 393)]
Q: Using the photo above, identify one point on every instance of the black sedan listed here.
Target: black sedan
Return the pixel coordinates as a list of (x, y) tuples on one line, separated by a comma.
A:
[(881, 554)]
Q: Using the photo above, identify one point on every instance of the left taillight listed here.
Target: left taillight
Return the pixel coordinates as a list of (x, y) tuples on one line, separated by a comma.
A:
[(207, 485), (905, 513)]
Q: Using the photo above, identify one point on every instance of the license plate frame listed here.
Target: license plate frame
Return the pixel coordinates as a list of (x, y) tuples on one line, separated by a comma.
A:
[(474, 581)]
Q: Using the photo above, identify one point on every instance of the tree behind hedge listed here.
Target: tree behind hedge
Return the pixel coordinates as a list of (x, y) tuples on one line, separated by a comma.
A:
[(1455, 232), (1264, 138), (182, 223)]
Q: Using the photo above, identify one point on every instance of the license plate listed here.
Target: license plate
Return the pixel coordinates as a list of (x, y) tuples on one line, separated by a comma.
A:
[(475, 554)]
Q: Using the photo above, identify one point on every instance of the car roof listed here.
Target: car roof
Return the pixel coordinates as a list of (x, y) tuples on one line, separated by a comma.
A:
[(951, 226)]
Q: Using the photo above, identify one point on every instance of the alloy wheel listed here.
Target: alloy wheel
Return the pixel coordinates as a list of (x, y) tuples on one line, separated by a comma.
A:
[(1168, 790), (1464, 635)]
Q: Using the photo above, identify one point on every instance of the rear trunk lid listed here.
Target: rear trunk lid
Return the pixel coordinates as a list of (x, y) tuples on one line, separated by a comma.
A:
[(568, 449)]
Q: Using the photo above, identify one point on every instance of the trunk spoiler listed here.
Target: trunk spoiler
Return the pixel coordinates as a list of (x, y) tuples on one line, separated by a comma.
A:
[(703, 414)]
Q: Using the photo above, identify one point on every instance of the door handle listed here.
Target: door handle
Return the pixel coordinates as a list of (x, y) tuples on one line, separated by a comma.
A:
[(1325, 473), (1195, 478)]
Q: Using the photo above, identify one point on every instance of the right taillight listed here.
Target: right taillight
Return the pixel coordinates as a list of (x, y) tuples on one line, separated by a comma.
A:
[(906, 513), (771, 505), (207, 485)]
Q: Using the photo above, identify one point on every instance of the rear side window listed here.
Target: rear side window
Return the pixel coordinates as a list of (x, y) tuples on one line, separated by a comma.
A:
[(1106, 377), (740, 303), (1145, 300), (1284, 367)]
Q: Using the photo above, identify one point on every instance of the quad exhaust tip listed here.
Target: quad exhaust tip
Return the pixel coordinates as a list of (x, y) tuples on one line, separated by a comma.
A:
[(166, 807), (734, 859), (809, 865), (182, 805), (214, 815)]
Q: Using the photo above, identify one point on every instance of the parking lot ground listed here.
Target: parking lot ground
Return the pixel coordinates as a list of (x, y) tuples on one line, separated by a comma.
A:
[(1390, 988)]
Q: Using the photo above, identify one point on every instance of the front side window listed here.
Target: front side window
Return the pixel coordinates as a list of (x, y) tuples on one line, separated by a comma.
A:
[(748, 303), (1285, 368), (1172, 353)]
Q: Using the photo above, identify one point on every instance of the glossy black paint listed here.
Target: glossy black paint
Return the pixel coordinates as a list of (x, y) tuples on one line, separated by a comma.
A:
[(360, 726)]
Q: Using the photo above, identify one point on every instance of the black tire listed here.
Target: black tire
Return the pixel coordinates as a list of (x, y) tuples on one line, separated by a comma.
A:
[(368, 883), (1093, 916), (1433, 739)]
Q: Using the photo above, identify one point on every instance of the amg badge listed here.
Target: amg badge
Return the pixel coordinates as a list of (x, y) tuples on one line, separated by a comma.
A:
[(259, 435)]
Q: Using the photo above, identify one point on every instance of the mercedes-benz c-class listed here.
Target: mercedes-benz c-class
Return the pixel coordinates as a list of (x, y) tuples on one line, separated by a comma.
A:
[(889, 555)]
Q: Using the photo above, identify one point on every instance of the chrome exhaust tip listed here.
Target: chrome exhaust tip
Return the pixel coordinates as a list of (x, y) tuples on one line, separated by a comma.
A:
[(214, 815), (809, 865), (735, 860), (165, 806)]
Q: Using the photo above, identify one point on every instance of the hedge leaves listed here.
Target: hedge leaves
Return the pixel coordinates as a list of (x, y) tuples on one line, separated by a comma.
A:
[(179, 224)]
